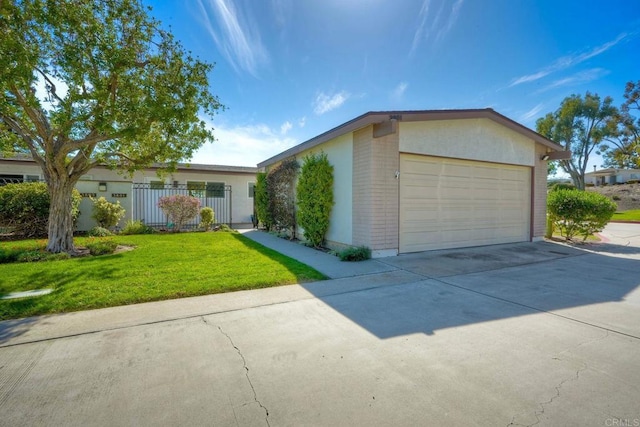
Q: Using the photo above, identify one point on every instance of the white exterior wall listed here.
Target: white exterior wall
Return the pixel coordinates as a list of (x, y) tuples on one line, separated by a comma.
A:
[(470, 139), (339, 152), (241, 203)]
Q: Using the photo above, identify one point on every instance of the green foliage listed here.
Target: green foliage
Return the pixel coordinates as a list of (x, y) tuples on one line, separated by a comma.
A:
[(105, 213), (562, 186), (261, 199), (136, 227), (623, 147), (580, 125), (99, 232), (40, 255), (280, 190), (102, 247), (24, 208), (179, 208), (225, 229), (359, 253), (114, 88), (579, 213), (207, 218), (315, 197)]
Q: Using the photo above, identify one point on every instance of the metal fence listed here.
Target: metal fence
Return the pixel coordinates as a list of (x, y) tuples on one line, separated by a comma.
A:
[(145, 197)]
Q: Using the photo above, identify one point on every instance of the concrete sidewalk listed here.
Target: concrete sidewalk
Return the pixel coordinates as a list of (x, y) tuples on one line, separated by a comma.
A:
[(327, 264)]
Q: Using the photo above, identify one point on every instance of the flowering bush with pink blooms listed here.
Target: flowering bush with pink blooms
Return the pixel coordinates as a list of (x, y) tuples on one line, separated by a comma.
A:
[(180, 209)]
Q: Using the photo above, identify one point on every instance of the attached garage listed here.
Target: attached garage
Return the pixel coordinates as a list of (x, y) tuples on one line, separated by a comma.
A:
[(450, 203), (410, 181)]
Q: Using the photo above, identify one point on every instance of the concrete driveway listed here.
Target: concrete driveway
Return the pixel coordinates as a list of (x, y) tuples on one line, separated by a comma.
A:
[(525, 334)]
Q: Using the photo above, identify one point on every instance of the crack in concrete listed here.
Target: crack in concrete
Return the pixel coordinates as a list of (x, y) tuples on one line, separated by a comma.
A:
[(574, 377), (246, 370)]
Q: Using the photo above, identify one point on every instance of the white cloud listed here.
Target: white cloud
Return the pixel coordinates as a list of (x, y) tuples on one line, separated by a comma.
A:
[(235, 35), (568, 61), (399, 91), (325, 103), (286, 127), (531, 113), (577, 79), (439, 24), (302, 121), (242, 145)]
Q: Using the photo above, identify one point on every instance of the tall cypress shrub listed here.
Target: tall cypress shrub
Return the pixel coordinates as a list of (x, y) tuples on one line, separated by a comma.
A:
[(315, 197)]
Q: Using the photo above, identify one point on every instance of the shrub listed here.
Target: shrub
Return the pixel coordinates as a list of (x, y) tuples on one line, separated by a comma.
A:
[(615, 197), (632, 181), (315, 197), (102, 247), (207, 217), (24, 208), (562, 186), (579, 213), (41, 255), (280, 182), (226, 229), (261, 199), (136, 227), (99, 232), (179, 208), (359, 253), (105, 213)]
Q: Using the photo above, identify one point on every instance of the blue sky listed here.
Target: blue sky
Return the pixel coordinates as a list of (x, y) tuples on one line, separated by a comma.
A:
[(288, 70)]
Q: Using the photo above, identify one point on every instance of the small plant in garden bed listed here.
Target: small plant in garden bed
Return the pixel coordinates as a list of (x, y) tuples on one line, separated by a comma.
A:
[(360, 253), (136, 227), (99, 232), (101, 247)]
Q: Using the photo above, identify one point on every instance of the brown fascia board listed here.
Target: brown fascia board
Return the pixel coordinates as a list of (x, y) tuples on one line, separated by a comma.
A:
[(181, 167), (374, 117)]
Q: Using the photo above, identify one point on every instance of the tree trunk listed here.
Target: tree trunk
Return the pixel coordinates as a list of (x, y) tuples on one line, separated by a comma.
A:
[(60, 218)]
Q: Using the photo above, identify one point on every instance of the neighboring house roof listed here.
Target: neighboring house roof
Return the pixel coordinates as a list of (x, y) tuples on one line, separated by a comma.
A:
[(611, 171), (374, 117), (181, 166)]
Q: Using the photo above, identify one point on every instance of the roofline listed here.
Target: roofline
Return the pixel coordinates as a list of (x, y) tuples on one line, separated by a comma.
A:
[(180, 167), (373, 117)]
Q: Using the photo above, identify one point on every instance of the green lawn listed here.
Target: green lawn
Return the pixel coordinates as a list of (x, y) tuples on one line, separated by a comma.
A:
[(162, 266), (633, 215)]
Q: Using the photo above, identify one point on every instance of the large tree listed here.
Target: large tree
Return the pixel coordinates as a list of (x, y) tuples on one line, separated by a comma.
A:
[(86, 82), (623, 146), (580, 125)]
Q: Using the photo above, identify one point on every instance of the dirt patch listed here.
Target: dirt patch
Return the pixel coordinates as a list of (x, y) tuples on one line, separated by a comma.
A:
[(626, 196)]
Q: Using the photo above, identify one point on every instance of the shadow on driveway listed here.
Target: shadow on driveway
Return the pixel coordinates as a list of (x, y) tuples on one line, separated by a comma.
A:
[(467, 286)]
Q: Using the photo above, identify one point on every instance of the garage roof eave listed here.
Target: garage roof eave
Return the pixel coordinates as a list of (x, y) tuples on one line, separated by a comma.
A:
[(373, 117)]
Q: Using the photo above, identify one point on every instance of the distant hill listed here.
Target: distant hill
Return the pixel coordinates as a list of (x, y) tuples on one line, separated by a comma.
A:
[(627, 196)]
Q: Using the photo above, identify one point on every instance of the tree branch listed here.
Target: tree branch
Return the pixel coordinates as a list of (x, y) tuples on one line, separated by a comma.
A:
[(51, 84), (39, 120)]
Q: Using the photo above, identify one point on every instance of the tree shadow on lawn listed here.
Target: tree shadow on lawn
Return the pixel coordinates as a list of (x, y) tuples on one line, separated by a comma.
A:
[(298, 269), (471, 297), (45, 278)]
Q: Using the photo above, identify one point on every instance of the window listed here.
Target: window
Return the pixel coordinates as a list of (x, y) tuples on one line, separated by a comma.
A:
[(156, 185), (196, 188), (32, 178), (252, 190), (215, 189)]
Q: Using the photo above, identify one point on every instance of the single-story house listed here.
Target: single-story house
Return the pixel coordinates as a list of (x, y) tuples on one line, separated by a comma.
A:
[(409, 181), (227, 189), (611, 176)]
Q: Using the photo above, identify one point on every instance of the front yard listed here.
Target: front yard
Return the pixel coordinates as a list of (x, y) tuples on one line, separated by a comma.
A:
[(631, 215), (162, 266)]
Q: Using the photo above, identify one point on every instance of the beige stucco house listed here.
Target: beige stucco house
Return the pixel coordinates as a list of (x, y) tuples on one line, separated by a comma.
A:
[(612, 176), (227, 189), (408, 181)]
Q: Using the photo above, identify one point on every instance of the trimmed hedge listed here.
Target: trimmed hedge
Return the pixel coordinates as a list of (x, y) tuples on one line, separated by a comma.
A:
[(579, 213), (24, 208), (315, 197)]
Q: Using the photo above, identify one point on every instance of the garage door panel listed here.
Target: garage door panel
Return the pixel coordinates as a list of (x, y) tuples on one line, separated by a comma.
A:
[(449, 203)]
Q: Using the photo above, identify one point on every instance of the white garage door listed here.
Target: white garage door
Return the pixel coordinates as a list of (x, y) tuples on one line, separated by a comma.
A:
[(449, 203)]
